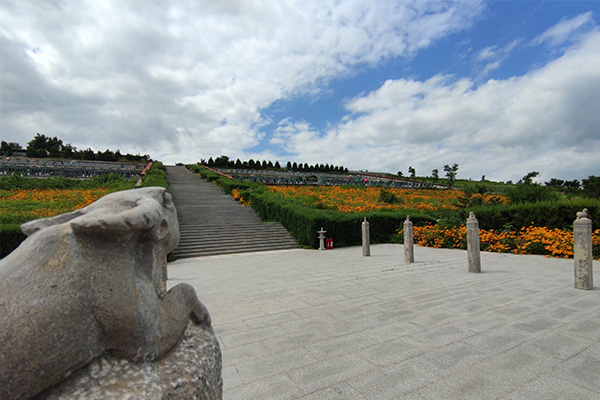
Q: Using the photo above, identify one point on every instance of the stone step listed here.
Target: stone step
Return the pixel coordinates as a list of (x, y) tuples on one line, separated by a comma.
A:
[(220, 250), (221, 229), (212, 223), (231, 241)]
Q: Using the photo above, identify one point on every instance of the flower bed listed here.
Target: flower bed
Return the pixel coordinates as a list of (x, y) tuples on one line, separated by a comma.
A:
[(19, 206), (527, 240), (369, 199)]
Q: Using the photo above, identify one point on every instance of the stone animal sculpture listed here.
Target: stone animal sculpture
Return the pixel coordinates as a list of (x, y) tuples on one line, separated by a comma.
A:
[(91, 281)]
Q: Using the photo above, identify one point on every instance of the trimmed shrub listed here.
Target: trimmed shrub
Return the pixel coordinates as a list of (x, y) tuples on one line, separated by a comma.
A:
[(551, 214), (155, 176), (345, 229)]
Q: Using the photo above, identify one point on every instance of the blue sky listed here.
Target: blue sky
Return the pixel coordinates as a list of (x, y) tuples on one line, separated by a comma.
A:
[(500, 87)]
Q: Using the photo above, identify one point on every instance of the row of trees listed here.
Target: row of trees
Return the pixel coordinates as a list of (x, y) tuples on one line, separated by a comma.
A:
[(225, 162), (451, 171), (42, 146), (527, 190)]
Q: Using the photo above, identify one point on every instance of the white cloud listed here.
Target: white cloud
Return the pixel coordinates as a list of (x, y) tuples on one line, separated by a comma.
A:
[(547, 120), (490, 58), (564, 30), (183, 80)]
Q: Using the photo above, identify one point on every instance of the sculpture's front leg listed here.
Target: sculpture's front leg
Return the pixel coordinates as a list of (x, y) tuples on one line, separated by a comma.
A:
[(177, 307)]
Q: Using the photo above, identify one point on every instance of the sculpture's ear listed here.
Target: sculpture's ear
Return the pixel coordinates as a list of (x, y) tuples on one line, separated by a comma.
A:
[(31, 227), (144, 215)]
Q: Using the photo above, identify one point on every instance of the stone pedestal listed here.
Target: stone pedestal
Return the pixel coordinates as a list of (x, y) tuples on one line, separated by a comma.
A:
[(366, 239), (473, 244), (321, 239), (191, 370), (582, 251), (409, 255)]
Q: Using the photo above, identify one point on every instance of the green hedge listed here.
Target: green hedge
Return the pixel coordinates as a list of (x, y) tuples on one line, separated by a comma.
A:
[(155, 176), (551, 214), (304, 222), (345, 229), (111, 181)]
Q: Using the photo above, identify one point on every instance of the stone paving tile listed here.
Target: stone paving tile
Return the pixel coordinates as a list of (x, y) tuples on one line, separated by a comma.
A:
[(497, 340), (330, 372), (271, 319), (435, 318), (279, 387), (548, 387), (563, 313), (519, 365), (442, 335), (295, 339), (470, 384), (273, 364), (393, 351), (358, 301), (314, 322), (387, 332), (471, 308), (340, 345), (483, 322), (450, 359), (253, 335), (230, 328), (327, 308), (236, 355), (535, 324), (350, 325), (231, 378), (516, 311), (582, 370), (586, 327), (560, 345), (392, 382), (338, 392)]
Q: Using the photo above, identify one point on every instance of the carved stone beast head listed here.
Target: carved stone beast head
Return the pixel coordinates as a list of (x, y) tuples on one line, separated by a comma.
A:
[(148, 213)]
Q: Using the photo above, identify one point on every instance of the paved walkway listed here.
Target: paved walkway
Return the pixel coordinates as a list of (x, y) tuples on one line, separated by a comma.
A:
[(308, 324)]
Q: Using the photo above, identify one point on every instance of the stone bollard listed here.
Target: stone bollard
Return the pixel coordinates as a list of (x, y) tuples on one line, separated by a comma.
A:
[(366, 239), (582, 251), (321, 239), (473, 243), (409, 255)]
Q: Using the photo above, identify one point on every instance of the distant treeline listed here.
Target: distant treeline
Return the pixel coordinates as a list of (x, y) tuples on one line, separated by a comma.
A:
[(225, 162), (42, 146)]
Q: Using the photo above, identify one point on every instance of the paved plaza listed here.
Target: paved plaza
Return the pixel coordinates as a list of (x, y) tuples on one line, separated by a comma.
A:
[(308, 324)]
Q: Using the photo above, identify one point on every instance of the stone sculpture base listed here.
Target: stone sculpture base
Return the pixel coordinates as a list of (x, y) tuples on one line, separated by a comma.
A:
[(191, 370)]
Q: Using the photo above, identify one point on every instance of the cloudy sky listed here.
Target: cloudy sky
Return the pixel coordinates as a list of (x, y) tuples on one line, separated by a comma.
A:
[(502, 88)]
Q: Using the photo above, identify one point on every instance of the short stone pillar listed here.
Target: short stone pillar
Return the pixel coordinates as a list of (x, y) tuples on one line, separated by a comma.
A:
[(321, 239), (366, 239), (409, 255), (582, 251), (473, 243)]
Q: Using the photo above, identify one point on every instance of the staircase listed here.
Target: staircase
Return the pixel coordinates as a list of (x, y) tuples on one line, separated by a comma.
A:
[(212, 223)]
